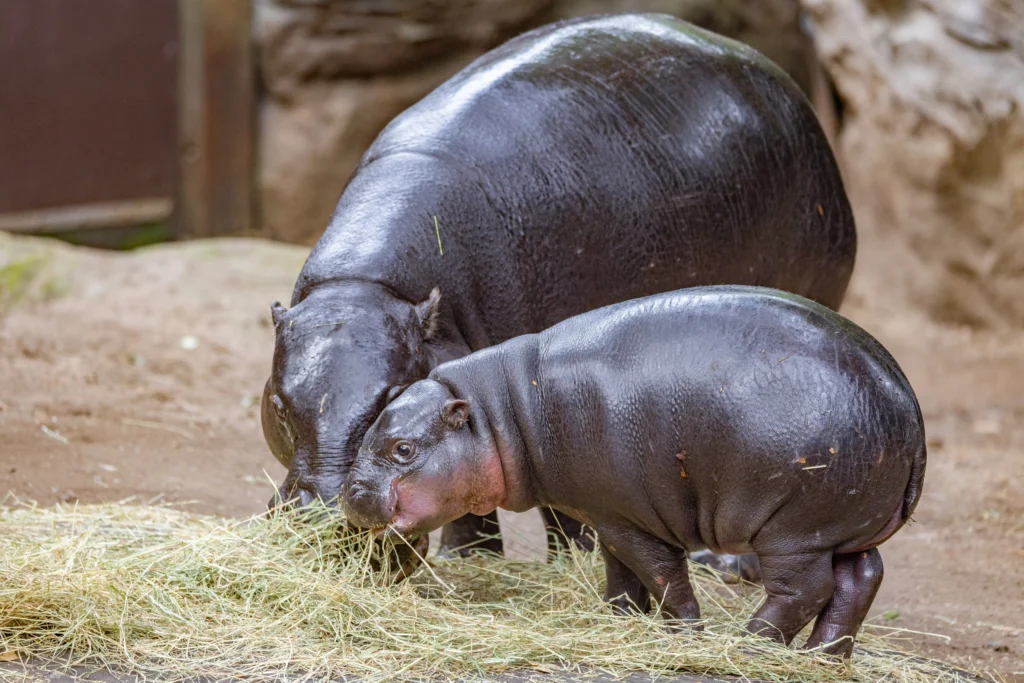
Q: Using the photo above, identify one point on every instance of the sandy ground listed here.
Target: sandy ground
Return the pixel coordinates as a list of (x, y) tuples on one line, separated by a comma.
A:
[(139, 376)]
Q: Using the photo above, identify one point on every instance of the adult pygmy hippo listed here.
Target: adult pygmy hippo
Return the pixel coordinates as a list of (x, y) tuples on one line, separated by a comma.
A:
[(584, 163), (735, 418)]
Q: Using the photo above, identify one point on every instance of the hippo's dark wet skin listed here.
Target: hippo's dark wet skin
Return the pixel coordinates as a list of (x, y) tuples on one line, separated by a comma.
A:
[(739, 419), (585, 163)]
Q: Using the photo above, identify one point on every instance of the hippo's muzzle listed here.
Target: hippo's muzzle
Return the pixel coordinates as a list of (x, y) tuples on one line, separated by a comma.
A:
[(369, 506), (302, 489)]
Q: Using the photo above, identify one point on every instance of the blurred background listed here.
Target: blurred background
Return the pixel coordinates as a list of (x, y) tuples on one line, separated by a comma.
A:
[(197, 148), (125, 123)]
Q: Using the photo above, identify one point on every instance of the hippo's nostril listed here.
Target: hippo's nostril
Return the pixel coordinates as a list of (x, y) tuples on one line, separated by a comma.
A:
[(365, 507)]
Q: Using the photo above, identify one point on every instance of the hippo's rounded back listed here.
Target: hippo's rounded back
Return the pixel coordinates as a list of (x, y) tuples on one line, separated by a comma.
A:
[(592, 161)]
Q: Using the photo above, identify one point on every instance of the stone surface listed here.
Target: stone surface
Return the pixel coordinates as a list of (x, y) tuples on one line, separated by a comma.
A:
[(309, 40), (310, 145), (932, 146)]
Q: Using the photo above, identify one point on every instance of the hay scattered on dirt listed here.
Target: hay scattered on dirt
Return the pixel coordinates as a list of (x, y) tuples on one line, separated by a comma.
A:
[(164, 593)]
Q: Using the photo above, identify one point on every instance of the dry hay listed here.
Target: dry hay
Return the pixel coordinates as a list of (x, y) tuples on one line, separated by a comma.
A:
[(166, 594)]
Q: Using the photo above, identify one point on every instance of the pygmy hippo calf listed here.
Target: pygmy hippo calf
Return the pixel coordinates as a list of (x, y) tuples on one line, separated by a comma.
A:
[(740, 419)]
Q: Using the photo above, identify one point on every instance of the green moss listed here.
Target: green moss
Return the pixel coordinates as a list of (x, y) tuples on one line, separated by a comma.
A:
[(17, 277), (29, 273)]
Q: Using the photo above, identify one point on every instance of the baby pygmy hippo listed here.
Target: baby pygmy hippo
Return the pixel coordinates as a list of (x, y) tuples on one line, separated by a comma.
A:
[(740, 419)]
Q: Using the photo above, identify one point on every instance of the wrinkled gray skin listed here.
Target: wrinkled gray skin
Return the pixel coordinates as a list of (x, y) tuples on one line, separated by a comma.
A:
[(584, 163), (739, 419)]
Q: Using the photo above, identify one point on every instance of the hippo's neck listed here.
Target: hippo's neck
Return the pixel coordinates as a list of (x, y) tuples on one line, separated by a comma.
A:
[(500, 384)]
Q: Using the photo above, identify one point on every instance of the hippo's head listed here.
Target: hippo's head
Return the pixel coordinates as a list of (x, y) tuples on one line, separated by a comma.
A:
[(421, 466), (339, 354)]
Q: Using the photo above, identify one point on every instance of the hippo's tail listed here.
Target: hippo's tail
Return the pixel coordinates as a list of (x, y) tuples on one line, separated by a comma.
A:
[(911, 496), (913, 493)]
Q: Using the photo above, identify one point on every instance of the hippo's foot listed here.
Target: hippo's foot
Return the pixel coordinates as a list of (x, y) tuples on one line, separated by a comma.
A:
[(857, 578), (469, 535), (798, 587), (402, 558), (634, 558), (562, 530), (733, 568)]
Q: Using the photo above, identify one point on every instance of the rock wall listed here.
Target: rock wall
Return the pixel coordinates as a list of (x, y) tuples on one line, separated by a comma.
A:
[(334, 72), (933, 150)]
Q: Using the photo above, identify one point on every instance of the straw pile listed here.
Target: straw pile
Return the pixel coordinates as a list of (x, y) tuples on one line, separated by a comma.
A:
[(170, 595)]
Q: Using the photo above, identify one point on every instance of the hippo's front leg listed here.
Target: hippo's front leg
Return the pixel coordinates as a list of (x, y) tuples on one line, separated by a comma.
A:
[(624, 590), (660, 567), (469, 534)]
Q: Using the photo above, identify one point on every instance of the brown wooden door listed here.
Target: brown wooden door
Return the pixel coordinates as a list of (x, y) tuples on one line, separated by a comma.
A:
[(88, 112)]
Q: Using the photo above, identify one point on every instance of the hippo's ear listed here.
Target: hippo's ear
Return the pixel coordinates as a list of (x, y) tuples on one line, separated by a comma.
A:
[(455, 413), (429, 312), (277, 312)]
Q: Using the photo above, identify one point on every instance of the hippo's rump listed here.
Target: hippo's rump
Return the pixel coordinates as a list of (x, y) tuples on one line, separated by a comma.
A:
[(591, 161)]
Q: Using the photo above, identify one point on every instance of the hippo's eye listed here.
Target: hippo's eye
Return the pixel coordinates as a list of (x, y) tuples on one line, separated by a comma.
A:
[(402, 452)]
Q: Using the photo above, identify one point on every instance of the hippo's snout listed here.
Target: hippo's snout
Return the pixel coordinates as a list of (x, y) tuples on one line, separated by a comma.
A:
[(302, 490), (367, 506)]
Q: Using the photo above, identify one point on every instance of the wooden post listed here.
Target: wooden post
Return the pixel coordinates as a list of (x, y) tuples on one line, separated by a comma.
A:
[(216, 119)]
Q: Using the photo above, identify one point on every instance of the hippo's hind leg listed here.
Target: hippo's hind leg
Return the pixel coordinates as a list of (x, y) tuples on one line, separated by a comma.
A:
[(625, 592), (562, 529), (661, 568), (857, 577), (798, 586), (470, 534)]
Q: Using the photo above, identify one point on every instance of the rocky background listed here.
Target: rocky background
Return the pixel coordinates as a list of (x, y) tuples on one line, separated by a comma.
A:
[(932, 144), (924, 98)]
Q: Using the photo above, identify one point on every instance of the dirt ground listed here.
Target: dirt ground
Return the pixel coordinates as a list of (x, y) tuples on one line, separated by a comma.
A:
[(139, 375)]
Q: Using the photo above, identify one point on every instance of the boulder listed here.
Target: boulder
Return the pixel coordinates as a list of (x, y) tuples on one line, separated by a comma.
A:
[(309, 145), (317, 40), (932, 147)]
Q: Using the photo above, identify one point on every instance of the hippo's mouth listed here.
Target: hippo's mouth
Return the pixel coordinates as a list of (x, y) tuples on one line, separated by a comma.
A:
[(393, 531)]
